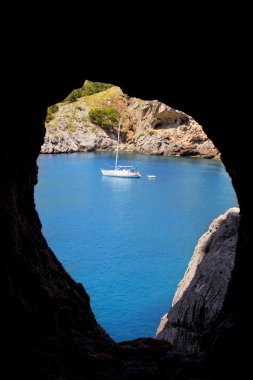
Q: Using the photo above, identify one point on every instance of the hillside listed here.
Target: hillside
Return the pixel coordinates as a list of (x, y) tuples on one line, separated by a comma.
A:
[(87, 120)]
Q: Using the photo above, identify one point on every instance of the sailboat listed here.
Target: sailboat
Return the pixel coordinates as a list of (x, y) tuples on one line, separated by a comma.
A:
[(119, 170)]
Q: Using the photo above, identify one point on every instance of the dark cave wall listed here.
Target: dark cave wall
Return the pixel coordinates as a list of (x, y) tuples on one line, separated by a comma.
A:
[(43, 311), (38, 296)]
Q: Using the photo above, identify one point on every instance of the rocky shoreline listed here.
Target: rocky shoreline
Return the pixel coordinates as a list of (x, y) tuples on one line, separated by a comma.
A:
[(148, 127), (201, 294)]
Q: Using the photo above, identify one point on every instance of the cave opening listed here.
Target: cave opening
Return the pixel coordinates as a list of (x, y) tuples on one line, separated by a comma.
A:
[(48, 328), (65, 199), (45, 308)]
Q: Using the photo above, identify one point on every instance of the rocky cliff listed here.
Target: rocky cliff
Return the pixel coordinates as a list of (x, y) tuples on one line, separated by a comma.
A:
[(200, 296), (147, 126), (35, 298)]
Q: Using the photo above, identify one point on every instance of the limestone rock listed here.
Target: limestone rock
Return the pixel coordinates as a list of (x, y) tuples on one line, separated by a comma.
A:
[(149, 127), (200, 296)]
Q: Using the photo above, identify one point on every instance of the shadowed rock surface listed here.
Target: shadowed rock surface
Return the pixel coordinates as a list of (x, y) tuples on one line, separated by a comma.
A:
[(47, 328), (200, 295)]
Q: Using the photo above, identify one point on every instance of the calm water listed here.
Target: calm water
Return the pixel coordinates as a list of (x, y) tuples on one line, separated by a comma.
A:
[(129, 241)]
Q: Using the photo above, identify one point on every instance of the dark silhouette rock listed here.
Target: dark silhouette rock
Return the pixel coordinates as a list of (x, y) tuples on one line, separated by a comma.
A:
[(201, 294), (48, 328)]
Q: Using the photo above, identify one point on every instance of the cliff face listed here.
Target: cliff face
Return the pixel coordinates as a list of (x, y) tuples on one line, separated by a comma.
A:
[(147, 127), (48, 331), (199, 299)]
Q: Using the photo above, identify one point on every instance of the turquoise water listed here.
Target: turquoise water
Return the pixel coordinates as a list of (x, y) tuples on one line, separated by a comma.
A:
[(129, 241)]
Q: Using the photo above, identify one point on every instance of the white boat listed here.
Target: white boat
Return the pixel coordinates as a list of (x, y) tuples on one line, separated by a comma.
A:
[(119, 170), (151, 176), (122, 171)]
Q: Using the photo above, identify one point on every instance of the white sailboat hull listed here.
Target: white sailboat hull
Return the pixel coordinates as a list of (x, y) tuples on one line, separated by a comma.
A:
[(119, 170), (120, 173)]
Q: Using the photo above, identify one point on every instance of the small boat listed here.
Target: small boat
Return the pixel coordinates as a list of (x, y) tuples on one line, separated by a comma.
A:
[(119, 170), (122, 171), (151, 176)]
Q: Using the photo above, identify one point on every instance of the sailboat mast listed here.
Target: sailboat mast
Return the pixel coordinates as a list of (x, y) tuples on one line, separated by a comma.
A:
[(117, 150)]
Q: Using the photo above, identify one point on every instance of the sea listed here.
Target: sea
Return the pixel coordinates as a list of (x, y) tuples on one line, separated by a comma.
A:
[(129, 240)]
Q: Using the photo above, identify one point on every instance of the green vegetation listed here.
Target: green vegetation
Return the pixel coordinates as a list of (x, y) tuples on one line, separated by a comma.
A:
[(101, 98), (88, 88), (151, 133), (71, 127), (50, 112), (104, 117)]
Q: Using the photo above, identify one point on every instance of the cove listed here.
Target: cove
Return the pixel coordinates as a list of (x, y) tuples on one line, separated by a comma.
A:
[(128, 241)]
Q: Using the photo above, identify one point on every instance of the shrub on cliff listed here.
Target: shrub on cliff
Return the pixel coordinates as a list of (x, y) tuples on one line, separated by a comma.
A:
[(50, 112), (74, 95), (104, 117), (89, 88)]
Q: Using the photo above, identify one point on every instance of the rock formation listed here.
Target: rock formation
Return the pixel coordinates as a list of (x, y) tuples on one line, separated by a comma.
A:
[(200, 296), (47, 328), (147, 127)]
